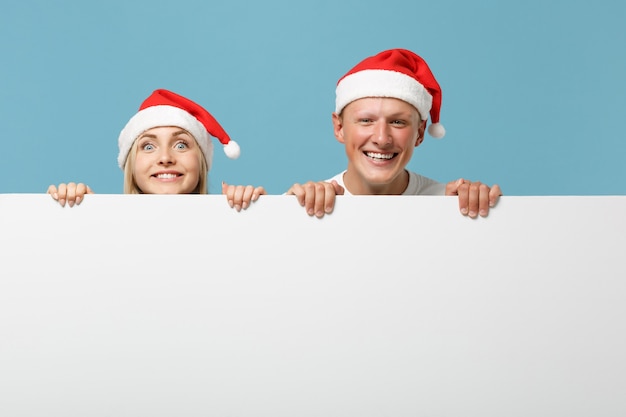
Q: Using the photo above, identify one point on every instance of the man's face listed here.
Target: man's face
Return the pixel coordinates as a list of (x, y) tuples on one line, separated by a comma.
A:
[(379, 135)]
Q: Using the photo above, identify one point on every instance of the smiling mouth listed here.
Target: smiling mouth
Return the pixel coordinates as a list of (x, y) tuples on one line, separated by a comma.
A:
[(166, 176), (380, 156)]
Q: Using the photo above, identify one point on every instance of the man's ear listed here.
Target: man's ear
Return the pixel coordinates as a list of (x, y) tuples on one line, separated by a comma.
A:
[(420, 133), (338, 127)]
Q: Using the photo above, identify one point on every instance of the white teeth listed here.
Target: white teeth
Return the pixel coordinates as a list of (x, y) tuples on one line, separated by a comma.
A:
[(379, 155), (166, 176)]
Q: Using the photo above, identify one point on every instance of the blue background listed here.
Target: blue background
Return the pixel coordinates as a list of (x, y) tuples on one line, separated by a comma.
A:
[(533, 92)]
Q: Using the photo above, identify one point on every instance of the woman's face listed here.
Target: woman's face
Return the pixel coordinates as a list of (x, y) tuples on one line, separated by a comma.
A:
[(167, 161)]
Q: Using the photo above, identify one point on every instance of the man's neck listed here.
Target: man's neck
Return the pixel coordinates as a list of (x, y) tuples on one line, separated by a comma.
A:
[(358, 186)]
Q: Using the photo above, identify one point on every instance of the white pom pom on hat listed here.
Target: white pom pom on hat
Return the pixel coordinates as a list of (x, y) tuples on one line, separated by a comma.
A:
[(166, 108), (231, 149), (396, 73), (436, 130)]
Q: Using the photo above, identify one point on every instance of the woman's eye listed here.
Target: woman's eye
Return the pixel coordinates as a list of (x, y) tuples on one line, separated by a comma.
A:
[(181, 145), (147, 147)]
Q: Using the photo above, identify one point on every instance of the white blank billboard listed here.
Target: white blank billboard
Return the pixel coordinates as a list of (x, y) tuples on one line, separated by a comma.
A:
[(391, 306)]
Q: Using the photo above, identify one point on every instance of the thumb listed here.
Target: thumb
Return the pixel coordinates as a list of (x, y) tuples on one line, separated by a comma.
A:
[(339, 190), (453, 186)]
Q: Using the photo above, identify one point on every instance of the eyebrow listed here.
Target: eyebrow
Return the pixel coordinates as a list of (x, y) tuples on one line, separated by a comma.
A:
[(153, 136), (181, 132)]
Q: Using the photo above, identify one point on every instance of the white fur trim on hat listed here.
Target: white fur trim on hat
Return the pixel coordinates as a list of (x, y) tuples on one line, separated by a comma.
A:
[(157, 116), (383, 83)]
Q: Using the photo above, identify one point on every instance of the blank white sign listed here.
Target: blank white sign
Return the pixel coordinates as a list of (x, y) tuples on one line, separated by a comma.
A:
[(391, 306)]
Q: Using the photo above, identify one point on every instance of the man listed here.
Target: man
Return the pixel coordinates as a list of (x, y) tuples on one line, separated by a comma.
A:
[(381, 110)]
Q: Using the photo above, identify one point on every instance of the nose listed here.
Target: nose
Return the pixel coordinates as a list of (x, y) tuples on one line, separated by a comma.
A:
[(382, 133), (166, 157)]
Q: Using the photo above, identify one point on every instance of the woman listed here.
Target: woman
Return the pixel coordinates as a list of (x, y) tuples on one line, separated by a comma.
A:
[(166, 148)]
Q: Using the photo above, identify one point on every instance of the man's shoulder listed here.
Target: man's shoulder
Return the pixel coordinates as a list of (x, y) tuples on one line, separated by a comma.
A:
[(422, 185), (338, 178)]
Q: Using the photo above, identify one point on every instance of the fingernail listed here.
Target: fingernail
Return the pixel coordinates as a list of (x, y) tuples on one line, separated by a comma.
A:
[(55, 196), (62, 202), (472, 214), (244, 205), (464, 210), (78, 200), (238, 207)]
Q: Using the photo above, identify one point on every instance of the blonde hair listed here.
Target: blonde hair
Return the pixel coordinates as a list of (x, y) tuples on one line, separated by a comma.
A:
[(131, 187)]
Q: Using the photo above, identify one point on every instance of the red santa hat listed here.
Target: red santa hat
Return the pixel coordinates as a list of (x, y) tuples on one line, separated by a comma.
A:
[(396, 73), (166, 108)]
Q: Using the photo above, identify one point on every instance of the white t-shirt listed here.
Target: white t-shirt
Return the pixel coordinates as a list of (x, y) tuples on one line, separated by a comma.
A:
[(418, 185)]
